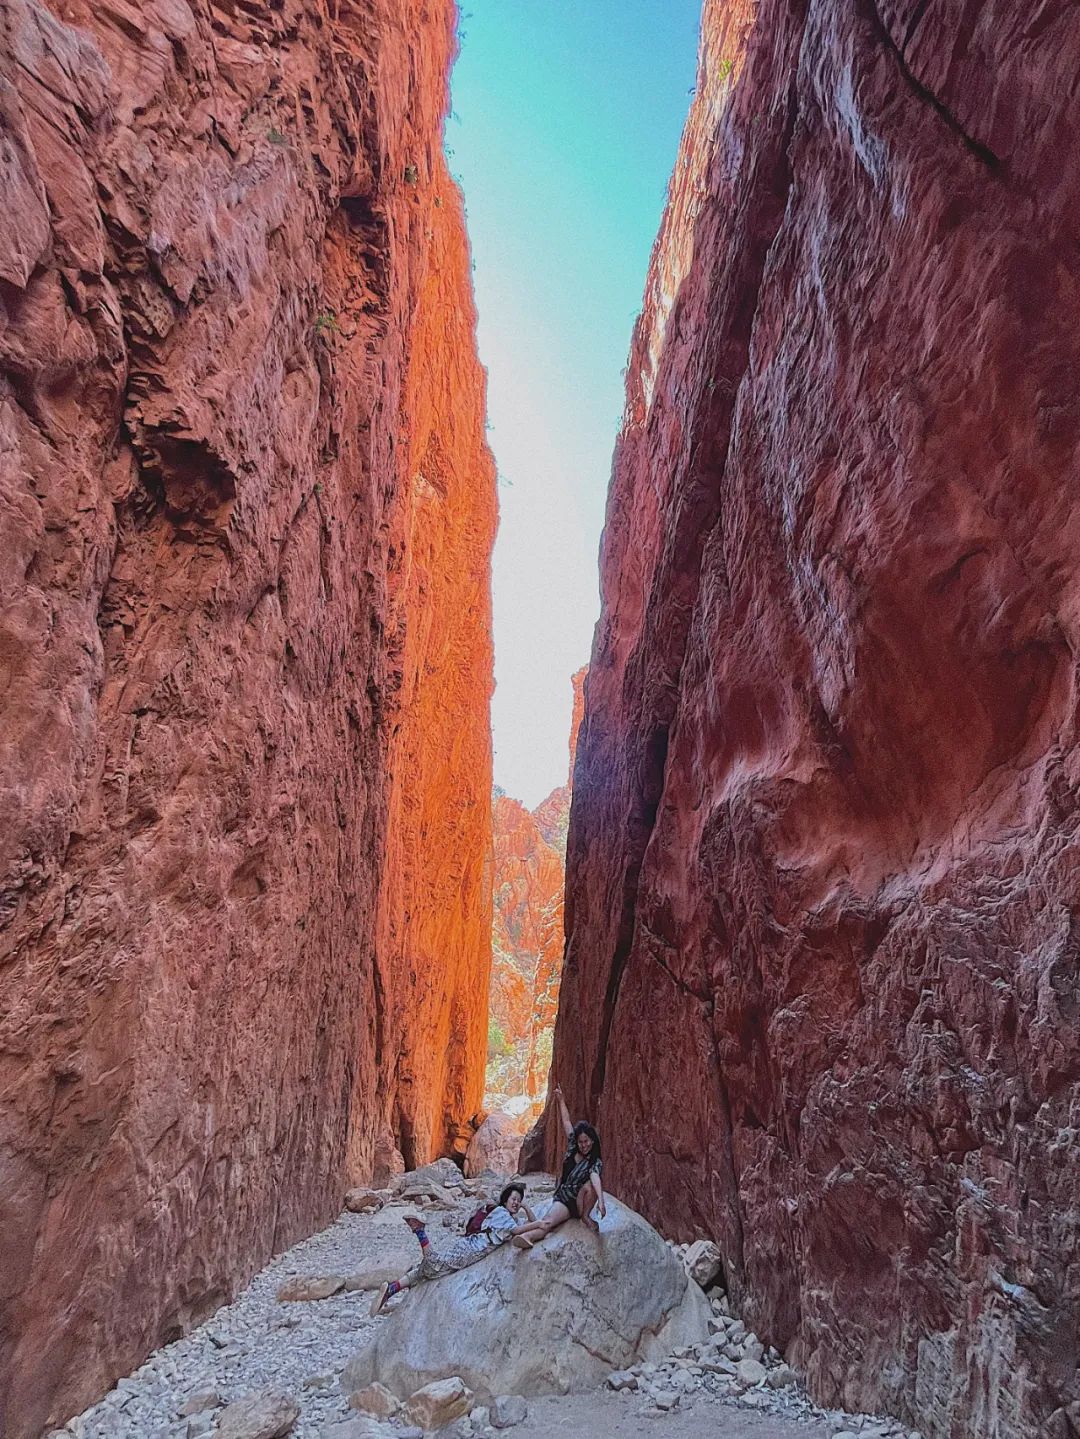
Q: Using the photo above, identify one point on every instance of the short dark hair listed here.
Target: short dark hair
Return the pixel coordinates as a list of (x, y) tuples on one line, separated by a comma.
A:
[(515, 1188)]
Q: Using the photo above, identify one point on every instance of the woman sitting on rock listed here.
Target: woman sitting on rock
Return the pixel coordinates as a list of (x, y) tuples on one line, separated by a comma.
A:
[(461, 1251), (579, 1187)]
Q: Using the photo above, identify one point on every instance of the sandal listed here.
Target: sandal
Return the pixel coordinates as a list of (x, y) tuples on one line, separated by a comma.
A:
[(380, 1298)]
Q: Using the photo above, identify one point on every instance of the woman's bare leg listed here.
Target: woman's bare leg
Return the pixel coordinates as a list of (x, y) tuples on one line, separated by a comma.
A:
[(586, 1201), (526, 1235)]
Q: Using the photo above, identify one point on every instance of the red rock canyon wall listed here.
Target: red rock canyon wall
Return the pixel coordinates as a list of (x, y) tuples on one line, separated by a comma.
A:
[(822, 982), (244, 653)]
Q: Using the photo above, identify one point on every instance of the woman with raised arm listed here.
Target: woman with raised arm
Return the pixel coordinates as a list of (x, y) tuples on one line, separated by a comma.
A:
[(579, 1188)]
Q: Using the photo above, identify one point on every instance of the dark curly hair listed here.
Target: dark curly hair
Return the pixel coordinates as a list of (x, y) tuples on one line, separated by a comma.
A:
[(573, 1157), (514, 1188)]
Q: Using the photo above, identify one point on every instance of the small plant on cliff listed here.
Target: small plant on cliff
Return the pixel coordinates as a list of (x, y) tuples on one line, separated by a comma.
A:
[(497, 1044), (725, 68), (276, 137), (326, 324), (412, 175)]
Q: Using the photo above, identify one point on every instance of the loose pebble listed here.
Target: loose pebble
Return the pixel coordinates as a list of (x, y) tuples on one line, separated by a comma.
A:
[(296, 1349)]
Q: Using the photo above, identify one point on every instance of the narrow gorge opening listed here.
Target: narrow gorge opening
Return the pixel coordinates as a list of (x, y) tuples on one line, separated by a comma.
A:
[(563, 132)]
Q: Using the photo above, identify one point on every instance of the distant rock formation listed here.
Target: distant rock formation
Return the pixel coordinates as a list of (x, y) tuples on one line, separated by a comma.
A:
[(527, 940), (245, 654), (822, 982)]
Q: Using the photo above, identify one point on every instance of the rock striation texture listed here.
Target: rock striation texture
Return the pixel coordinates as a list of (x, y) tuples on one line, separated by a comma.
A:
[(244, 654), (527, 938), (822, 983)]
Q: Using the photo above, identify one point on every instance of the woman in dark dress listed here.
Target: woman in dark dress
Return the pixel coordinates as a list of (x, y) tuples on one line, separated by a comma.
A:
[(579, 1187)]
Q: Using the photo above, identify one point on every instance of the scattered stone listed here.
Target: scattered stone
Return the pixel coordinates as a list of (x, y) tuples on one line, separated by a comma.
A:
[(622, 1379), (199, 1400), (198, 1426), (439, 1403), (780, 1378), (361, 1427), (703, 1262), (666, 1399), (310, 1287), (318, 1381), (750, 1371), (480, 1416), (375, 1400), (363, 1201), (508, 1410), (718, 1364), (429, 1193), (268, 1415), (443, 1172)]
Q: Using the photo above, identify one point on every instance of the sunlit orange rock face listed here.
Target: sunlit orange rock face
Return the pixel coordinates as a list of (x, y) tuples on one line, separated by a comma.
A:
[(527, 936), (245, 654), (821, 986)]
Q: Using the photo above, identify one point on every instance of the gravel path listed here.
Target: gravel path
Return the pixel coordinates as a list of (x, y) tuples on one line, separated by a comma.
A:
[(259, 1343)]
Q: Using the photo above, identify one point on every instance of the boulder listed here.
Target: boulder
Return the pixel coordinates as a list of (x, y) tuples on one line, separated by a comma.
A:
[(440, 1172), (495, 1145), (375, 1400), (508, 1410), (750, 1371), (703, 1262), (310, 1287), (198, 1401), (439, 1403), (363, 1201), (554, 1319), (429, 1192), (270, 1414)]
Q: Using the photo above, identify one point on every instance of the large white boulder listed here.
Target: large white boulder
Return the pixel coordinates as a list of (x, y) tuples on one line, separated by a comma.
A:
[(554, 1319), (494, 1146)]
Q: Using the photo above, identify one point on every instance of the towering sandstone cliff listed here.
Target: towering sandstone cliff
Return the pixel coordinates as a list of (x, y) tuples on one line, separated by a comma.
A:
[(244, 653), (822, 990)]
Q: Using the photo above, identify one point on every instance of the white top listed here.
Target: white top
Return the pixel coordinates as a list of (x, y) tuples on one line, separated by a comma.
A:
[(499, 1222)]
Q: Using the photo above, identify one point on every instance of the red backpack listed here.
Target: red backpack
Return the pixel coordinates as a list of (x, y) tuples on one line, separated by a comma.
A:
[(476, 1222)]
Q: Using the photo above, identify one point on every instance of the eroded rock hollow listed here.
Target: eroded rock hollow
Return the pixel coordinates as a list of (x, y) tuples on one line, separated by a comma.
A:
[(821, 991), (245, 654)]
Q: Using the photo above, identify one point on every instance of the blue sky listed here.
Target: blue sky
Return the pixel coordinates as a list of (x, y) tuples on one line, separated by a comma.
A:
[(566, 120)]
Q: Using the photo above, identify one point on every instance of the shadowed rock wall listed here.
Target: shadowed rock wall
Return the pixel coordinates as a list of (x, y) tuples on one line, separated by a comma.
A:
[(821, 990), (244, 653)]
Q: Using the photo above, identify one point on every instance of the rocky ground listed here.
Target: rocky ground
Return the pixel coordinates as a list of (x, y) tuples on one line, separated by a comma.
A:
[(267, 1366)]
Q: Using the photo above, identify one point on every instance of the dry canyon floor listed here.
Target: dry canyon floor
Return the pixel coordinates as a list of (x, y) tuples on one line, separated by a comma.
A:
[(259, 1343)]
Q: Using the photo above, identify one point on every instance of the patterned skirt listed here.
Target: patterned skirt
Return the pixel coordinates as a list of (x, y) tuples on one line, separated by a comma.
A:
[(455, 1254)]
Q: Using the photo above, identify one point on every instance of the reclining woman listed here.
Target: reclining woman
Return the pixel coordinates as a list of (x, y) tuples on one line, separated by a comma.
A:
[(579, 1188), (460, 1251)]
